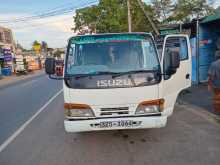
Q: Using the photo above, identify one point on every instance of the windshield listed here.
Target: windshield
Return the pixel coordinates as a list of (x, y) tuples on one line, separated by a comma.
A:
[(111, 53)]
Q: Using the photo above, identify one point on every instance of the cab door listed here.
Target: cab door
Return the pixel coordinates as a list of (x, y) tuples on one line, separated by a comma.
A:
[(174, 82)]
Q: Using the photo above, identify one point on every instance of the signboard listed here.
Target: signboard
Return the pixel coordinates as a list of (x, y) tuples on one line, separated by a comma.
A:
[(7, 55)]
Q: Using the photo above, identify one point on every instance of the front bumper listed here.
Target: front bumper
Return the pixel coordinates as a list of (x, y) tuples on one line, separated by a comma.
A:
[(140, 122)]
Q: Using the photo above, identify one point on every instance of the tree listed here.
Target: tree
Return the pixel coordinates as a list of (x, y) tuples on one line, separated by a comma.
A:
[(111, 16), (217, 10), (36, 47), (107, 16), (86, 18), (35, 43), (44, 46), (58, 53), (19, 46), (163, 9), (186, 10), (139, 20)]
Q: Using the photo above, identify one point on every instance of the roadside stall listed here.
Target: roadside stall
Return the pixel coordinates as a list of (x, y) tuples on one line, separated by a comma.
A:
[(33, 63), (1, 63), (7, 65), (59, 67), (209, 43), (19, 65), (205, 43)]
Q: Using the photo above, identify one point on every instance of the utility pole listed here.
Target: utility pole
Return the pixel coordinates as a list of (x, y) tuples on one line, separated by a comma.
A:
[(197, 50), (148, 17), (129, 16)]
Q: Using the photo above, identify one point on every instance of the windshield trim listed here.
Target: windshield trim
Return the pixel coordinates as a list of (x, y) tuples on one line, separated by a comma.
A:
[(114, 74), (68, 80), (146, 35)]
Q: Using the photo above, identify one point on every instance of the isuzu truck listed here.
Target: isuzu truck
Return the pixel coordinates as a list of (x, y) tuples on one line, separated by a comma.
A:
[(121, 81)]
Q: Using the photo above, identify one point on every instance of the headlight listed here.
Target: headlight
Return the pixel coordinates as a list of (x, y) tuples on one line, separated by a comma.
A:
[(149, 107), (78, 110)]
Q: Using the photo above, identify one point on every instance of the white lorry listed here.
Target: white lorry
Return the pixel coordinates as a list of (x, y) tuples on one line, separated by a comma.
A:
[(119, 81)]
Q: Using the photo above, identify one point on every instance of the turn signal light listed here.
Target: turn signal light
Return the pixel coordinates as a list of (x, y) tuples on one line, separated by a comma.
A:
[(76, 106), (158, 102), (78, 110)]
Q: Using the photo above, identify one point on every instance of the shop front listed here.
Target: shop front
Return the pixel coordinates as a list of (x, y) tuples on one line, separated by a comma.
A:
[(6, 51), (205, 43), (209, 43), (6, 61)]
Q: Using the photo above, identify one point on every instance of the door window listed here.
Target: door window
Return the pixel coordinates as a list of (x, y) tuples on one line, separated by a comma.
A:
[(174, 44)]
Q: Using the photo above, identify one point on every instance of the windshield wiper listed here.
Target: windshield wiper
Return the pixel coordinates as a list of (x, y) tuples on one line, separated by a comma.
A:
[(104, 72), (131, 72), (90, 74)]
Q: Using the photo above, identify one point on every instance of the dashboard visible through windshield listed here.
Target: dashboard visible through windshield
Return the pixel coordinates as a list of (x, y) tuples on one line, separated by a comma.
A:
[(111, 55)]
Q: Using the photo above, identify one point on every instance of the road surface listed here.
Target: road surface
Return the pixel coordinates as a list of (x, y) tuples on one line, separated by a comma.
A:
[(189, 137)]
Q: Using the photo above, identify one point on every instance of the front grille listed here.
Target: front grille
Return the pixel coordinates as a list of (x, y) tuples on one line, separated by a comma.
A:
[(114, 111)]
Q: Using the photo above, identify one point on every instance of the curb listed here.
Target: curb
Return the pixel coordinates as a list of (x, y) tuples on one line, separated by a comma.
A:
[(211, 117), (21, 80)]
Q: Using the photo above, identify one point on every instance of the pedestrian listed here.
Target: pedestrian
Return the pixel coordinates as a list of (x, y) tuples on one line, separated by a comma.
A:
[(214, 81)]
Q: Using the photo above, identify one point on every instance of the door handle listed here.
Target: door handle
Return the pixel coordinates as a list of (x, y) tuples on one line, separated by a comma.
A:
[(187, 76)]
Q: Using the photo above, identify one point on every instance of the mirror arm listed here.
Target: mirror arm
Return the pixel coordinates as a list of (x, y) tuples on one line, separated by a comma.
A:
[(166, 74), (56, 78)]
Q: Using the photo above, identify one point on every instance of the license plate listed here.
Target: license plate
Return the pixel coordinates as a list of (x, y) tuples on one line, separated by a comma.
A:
[(123, 123)]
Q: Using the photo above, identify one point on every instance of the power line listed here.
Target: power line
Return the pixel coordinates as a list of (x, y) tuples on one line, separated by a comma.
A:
[(148, 17), (50, 13), (47, 13), (28, 26)]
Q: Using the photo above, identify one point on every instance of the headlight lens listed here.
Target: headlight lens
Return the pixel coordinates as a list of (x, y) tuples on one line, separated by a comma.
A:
[(149, 107), (80, 113), (78, 110)]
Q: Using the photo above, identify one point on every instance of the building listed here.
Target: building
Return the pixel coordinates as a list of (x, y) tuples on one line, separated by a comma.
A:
[(6, 38), (7, 48)]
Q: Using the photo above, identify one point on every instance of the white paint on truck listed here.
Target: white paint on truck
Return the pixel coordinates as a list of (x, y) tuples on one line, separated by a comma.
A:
[(116, 102)]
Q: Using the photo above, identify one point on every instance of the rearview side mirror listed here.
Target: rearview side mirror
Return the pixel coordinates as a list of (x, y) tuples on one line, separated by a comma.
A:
[(50, 66)]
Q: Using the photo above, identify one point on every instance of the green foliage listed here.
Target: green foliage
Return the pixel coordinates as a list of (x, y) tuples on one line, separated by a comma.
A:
[(111, 16), (58, 53), (186, 10), (217, 10), (163, 9), (139, 21), (86, 17), (35, 43)]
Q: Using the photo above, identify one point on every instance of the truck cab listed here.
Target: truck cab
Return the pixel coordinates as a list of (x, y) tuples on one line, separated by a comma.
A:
[(120, 81)]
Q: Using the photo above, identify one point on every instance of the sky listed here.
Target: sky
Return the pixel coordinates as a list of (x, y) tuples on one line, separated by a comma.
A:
[(54, 30)]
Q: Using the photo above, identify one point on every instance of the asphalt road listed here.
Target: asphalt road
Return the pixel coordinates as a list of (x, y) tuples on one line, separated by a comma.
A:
[(189, 138), (18, 102)]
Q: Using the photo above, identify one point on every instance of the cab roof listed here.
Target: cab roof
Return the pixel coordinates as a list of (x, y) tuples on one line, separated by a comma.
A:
[(108, 34)]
